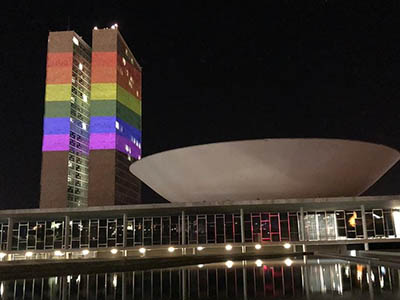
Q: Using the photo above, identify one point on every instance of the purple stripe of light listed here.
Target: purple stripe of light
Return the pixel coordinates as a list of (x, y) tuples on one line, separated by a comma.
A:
[(122, 141), (55, 142), (102, 141)]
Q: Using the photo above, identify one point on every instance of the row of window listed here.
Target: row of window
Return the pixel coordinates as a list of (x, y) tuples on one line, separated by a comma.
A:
[(201, 229)]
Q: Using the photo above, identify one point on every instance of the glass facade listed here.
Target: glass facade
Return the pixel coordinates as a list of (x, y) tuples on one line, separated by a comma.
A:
[(78, 156), (200, 229)]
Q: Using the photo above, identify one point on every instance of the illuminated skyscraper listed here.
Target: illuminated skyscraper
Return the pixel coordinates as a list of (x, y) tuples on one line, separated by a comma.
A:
[(92, 121), (115, 130), (64, 178)]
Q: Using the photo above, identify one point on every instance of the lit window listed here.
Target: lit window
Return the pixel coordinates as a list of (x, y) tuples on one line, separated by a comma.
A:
[(117, 125), (139, 157), (76, 41), (129, 158), (126, 51), (84, 125), (137, 93), (124, 61), (69, 165), (80, 66), (132, 61), (84, 98)]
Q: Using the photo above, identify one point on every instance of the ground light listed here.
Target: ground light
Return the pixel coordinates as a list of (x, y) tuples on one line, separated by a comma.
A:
[(114, 251), (142, 250), (58, 253), (2, 255), (171, 249), (85, 252), (200, 265), (200, 248), (259, 262), (257, 246), (228, 247), (29, 254), (288, 262), (229, 264), (286, 245)]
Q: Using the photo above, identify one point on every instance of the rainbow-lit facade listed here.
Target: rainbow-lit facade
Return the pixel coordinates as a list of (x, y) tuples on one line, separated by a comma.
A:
[(115, 132), (64, 178), (92, 106)]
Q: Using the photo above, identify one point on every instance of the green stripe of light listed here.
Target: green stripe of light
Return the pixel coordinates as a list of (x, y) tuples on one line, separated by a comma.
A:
[(57, 109), (114, 108)]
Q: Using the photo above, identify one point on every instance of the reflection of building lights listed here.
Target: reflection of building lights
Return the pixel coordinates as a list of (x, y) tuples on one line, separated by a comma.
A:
[(382, 282), (259, 262), (142, 250), (115, 280), (376, 216), (200, 248), (359, 272), (352, 220), (129, 227), (1, 289), (78, 279), (228, 247), (85, 252), (372, 276), (383, 270), (54, 224), (288, 262), (29, 254), (114, 251), (258, 247), (2, 255), (347, 271), (287, 245), (171, 249), (229, 264), (200, 265), (58, 253)]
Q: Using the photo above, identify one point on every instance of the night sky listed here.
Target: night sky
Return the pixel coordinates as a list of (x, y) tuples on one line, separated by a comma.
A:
[(213, 73)]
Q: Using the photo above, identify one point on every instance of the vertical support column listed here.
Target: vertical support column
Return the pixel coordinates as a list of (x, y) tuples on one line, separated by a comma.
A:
[(66, 232), (183, 233), (242, 230), (10, 233), (125, 230), (364, 225), (302, 235)]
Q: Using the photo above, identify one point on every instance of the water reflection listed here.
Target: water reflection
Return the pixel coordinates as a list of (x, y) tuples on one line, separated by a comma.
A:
[(234, 280)]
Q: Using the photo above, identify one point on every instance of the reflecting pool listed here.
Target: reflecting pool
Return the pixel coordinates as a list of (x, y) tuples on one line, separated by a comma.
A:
[(322, 279)]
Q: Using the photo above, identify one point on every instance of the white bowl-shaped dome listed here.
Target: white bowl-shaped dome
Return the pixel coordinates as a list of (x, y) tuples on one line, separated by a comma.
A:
[(265, 169)]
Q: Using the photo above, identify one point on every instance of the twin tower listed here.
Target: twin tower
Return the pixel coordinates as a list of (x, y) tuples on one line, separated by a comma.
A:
[(92, 121)]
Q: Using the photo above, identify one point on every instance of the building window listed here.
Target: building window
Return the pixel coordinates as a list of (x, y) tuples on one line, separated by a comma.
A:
[(75, 41)]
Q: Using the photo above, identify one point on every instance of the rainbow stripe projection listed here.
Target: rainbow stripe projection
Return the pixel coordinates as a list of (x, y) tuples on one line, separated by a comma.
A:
[(58, 101), (116, 109)]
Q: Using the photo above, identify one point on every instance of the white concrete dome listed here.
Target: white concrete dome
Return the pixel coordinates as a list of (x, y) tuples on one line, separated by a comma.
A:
[(265, 169)]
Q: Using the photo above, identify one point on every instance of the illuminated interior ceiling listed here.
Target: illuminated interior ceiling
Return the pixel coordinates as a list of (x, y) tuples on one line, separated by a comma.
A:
[(265, 169)]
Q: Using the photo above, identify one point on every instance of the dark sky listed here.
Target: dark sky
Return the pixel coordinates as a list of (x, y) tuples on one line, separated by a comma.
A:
[(215, 72)]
